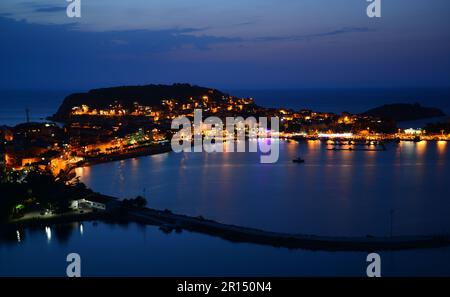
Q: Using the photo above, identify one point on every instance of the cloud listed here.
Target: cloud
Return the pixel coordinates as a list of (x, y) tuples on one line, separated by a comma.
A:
[(39, 7), (68, 36), (52, 54), (309, 37), (49, 9), (244, 24), (192, 30)]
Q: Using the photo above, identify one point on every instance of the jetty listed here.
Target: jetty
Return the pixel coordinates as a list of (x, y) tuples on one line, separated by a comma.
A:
[(168, 221)]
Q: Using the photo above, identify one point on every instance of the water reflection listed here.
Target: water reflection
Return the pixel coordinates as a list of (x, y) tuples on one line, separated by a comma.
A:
[(313, 144), (421, 148), (83, 172), (48, 233), (442, 147), (332, 193), (407, 147), (59, 233)]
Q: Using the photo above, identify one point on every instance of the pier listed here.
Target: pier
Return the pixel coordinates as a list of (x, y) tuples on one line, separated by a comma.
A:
[(169, 221)]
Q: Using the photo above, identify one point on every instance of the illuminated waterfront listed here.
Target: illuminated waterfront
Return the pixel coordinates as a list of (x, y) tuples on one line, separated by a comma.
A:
[(333, 193)]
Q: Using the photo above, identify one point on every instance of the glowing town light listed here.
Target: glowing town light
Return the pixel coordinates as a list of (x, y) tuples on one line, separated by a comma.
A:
[(18, 236), (412, 131), (335, 135), (299, 134), (48, 233)]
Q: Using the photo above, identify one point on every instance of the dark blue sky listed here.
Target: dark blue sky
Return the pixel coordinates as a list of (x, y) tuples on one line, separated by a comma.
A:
[(225, 44)]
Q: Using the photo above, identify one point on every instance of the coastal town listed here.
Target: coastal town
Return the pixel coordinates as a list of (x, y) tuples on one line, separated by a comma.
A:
[(90, 134), (103, 129), (224, 147)]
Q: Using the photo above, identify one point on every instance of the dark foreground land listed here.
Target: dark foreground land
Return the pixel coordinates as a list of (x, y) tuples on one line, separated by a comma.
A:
[(169, 222)]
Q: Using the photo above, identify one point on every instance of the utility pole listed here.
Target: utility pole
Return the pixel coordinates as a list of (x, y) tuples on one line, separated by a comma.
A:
[(27, 111), (392, 220)]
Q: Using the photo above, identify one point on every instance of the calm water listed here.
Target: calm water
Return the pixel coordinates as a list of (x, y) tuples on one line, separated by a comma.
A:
[(40, 103), (333, 193), (133, 250)]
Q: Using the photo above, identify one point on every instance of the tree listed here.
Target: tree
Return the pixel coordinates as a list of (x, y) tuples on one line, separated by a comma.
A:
[(2, 174), (140, 201), (12, 195), (52, 192)]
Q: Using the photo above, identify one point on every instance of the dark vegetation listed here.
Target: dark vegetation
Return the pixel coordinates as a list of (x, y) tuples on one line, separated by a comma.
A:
[(149, 95), (443, 128), (138, 202), (38, 190), (404, 112)]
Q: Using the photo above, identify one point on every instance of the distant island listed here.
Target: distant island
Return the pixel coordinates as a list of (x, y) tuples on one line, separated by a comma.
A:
[(130, 98), (404, 112)]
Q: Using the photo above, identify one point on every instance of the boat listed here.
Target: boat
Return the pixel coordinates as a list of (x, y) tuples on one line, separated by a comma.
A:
[(298, 160), (166, 228)]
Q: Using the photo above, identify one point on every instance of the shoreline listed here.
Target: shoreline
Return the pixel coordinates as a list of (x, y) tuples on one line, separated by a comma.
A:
[(149, 151), (54, 220), (169, 222), (162, 149), (92, 161)]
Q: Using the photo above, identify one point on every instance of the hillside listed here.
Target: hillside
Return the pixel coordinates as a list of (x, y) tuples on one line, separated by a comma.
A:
[(404, 112), (148, 95)]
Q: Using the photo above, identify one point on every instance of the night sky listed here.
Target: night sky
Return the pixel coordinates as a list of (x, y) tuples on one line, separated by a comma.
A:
[(225, 44)]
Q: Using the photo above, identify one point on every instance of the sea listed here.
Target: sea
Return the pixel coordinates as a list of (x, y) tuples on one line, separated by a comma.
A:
[(402, 191)]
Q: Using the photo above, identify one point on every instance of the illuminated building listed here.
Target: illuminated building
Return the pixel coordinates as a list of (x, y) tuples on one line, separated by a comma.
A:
[(412, 131)]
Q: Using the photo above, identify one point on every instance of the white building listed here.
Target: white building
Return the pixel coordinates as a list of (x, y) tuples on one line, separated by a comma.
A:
[(98, 202)]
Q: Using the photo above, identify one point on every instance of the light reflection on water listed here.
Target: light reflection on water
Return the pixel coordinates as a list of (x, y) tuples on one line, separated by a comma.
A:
[(134, 250), (442, 147), (333, 193)]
